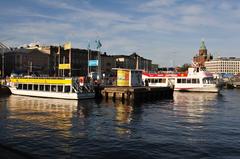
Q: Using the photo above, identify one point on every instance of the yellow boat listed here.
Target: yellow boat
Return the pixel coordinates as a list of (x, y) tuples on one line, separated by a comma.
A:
[(59, 87)]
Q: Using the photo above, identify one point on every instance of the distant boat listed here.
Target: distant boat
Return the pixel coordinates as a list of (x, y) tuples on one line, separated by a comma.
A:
[(195, 80), (60, 87)]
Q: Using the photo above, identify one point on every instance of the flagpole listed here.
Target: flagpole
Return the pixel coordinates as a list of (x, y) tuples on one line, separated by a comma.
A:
[(88, 62), (99, 63)]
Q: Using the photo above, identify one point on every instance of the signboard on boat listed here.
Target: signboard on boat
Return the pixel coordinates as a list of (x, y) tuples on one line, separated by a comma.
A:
[(64, 66)]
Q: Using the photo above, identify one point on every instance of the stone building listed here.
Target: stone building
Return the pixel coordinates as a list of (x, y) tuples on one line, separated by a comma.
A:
[(224, 65), (78, 60), (26, 61), (133, 61)]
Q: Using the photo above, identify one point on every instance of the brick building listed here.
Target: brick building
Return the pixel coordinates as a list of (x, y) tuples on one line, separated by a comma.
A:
[(202, 55)]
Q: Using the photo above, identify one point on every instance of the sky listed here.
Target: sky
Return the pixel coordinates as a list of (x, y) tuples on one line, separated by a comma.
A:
[(168, 32)]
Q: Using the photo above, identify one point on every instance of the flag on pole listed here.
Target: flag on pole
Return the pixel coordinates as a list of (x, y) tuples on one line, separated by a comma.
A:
[(67, 46), (88, 47), (99, 45)]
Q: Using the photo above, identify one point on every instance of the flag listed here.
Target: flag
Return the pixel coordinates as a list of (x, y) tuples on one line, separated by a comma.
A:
[(88, 47), (98, 44), (67, 46)]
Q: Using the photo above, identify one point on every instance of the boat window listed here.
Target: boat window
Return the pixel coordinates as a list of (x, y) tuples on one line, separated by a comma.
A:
[(152, 81), (164, 80), (67, 89), (189, 80), (184, 80), (60, 88), (156, 81), (41, 87), (47, 87), (19, 86), (208, 81), (194, 80), (179, 81), (25, 86), (35, 87), (53, 88), (30, 87), (148, 80), (198, 81)]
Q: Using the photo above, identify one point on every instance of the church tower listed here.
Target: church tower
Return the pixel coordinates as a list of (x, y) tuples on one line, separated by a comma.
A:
[(203, 49)]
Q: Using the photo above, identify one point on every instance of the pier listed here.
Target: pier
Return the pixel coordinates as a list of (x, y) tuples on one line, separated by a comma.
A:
[(137, 93)]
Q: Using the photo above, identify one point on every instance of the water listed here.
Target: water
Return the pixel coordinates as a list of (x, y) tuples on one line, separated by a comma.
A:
[(192, 125)]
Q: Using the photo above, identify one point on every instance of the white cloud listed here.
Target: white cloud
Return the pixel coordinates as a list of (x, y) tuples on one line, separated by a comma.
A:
[(126, 32)]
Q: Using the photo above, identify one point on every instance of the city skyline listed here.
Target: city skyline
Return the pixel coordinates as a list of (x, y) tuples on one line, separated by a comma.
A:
[(166, 31)]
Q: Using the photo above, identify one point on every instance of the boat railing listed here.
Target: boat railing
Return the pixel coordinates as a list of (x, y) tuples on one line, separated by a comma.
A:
[(41, 77)]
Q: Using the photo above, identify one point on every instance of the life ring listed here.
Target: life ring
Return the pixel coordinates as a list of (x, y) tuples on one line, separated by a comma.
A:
[(81, 81)]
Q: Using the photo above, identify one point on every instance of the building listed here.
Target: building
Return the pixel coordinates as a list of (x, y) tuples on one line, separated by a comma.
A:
[(107, 63), (230, 65), (26, 61), (78, 60), (202, 55), (133, 61)]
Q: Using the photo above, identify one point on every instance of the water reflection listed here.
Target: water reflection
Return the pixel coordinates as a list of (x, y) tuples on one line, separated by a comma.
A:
[(44, 114), (194, 106)]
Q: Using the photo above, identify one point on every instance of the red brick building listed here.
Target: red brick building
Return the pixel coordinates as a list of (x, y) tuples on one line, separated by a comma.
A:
[(202, 55)]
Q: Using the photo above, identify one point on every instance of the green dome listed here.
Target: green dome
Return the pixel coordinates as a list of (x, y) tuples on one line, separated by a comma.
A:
[(202, 46)]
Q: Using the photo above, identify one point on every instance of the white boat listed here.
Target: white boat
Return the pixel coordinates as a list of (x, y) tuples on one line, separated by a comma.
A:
[(62, 88), (195, 80)]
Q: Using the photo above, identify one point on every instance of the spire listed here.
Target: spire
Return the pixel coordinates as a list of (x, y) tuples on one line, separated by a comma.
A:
[(202, 46)]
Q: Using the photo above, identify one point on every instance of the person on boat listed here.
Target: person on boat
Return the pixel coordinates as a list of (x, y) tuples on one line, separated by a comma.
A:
[(146, 83)]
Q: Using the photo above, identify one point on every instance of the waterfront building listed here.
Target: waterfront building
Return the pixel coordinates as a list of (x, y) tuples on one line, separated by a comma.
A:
[(24, 61), (78, 60), (224, 65), (133, 61), (202, 55)]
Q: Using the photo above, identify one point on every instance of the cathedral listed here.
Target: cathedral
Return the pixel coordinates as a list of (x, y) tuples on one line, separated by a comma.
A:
[(202, 55)]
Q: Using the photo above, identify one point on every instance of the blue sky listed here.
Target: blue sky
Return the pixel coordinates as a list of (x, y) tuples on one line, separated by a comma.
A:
[(167, 31)]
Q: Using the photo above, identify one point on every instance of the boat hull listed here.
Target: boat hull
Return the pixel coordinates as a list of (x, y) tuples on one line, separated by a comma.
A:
[(58, 95), (209, 90)]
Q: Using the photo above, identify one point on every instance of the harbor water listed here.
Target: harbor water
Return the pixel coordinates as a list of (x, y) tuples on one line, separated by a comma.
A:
[(191, 125)]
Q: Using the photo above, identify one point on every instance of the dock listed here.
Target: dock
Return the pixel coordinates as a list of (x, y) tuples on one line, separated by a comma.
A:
[(137, 93)]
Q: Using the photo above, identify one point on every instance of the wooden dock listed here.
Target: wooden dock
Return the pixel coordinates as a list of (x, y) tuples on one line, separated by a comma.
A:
[(137, 93)]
